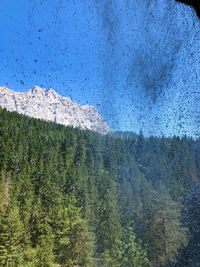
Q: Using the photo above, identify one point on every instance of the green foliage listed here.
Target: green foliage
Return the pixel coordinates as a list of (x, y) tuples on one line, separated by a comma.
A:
[(190, 253), (133, 254), (75, 198), (11, 237), (74, 243)]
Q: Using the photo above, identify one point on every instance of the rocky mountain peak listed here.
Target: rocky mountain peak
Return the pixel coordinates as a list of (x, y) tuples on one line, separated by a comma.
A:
[(37, 90), (4, 90), (46, 104)]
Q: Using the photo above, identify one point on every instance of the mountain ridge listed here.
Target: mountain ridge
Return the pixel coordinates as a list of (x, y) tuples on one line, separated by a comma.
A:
[(48, 105)]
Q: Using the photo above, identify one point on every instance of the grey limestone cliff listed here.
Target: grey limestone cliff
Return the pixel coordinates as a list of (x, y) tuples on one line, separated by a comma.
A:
[(46, 104)]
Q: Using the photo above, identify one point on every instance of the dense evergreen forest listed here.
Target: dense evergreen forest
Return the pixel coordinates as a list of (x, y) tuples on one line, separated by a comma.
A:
[(76, 198)]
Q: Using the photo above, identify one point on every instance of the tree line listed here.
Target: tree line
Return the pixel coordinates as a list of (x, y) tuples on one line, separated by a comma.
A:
[(70, 197)]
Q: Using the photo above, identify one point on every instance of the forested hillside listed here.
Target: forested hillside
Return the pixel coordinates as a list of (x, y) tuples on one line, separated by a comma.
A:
[(75, 198)]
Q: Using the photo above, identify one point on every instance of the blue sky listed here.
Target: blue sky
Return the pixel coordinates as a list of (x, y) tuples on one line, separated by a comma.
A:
[(137, 62), (51, 44)]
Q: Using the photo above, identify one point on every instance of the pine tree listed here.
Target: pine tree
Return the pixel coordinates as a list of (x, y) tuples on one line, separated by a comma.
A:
[(75, 242), (161, 229), (72, 196), (42, 236), (109, 231), (190, 254), (133, 254), (11, 235)]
